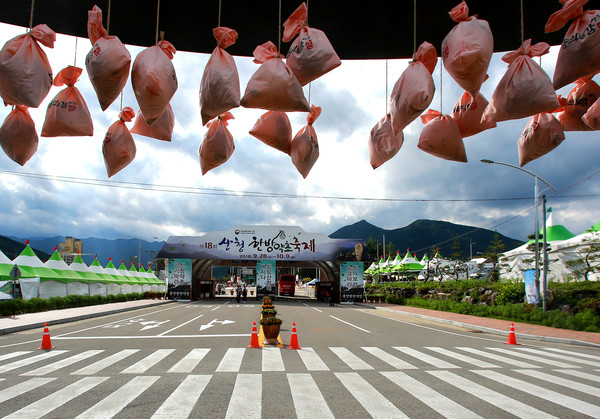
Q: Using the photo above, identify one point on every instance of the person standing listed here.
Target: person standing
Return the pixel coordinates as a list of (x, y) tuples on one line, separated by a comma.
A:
[(238, 294), (332, 298), (244, 293)]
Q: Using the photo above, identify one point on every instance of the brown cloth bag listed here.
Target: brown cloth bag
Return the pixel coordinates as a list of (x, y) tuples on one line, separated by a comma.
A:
[(217, 146), (467, 50), (311, 54), (220, 84), (118, 147), (579, 55), (17, 135), (441, 137), (25, 73), (305, 146), (542, 134), (467, 113), (154, 80), (273, 86), (414, 90), (67, 114), (383, 144), (162, 129), (525, 89), (274, 129), (577, 103), (108, 61)]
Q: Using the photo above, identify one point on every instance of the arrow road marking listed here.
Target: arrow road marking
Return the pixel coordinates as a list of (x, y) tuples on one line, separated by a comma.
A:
[(214, 323)]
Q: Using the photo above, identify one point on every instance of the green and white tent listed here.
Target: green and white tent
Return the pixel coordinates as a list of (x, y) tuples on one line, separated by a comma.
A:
[(127, 287), (408, 265), (116, 287), (102, 288), (52, 283), (78, 265), (77, 284)]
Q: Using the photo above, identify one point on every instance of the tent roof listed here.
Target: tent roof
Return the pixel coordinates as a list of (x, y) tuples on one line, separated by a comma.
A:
[(378, 29)]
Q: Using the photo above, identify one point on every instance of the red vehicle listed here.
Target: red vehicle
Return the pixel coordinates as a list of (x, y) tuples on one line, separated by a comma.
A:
[(287, 284)]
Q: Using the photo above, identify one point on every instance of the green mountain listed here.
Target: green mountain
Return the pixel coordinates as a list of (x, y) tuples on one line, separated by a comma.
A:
[(12, 248), (422, 236)]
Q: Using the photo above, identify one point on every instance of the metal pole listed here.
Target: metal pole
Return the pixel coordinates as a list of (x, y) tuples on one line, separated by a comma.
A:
[(139, 253), (537, 239), (545, 250)]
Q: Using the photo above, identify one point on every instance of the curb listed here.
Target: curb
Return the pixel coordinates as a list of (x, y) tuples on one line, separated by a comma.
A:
[(488, 330), (7, 330)]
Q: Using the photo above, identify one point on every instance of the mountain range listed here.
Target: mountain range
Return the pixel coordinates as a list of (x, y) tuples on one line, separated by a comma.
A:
[(424, 236), (420, 236)]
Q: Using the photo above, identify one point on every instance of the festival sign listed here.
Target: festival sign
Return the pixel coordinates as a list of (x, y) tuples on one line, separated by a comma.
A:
[(352, 282), (265, 278), (531, 291), (180, 279), (280, 243)]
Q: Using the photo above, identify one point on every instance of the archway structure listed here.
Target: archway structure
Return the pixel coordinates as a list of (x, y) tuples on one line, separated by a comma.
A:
[(246, 246)]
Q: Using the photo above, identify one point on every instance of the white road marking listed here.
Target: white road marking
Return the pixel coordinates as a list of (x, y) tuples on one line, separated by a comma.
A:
[(116, 401), (431, 360), (510, 361), (388, 358), (271, 359), (372, 400), (31, 360), (55, 400), (350, 324), (573, 385), (181, 402), (571, 358), (189, 362), (246, 400), (350, 359), (308, 399), (22, 388), (63, 363), (232, 360), (468, 359), (145, 364), (311, 360), (535, 358), (499, 400), (106, 362), (181, 325)]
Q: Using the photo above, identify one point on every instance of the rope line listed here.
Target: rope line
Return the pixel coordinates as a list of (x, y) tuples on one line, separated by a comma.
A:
[(108, 18), (279, 30), (219, 17), (31, 15), (414, 26), (157, 20)]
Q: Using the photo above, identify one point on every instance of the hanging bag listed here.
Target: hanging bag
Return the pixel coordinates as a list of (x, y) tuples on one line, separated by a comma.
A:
[(383, 144), (162, 129), (542, 134), (305, 146), (467, 113), (274, 129), (414, 90), (67, 114), (217, 146), (578, 101), (467, 50), (311, 54), (579, 54), (118, 147), (220, 85), (108, 61), (18, 137), (441, 137), (25, 73), (273, 86)]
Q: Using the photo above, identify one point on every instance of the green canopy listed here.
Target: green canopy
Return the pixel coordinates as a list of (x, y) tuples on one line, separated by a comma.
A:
[(31, 266), (57, 263), (78, 265)]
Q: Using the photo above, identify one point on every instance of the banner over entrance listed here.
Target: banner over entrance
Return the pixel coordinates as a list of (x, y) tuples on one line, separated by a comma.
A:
[(285, 243)]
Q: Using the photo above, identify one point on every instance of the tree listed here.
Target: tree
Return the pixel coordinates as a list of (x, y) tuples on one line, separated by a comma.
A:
[(457, 257), (589, 257), (494, 253)]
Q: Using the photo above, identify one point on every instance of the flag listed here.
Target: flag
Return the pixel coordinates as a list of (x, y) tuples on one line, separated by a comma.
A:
[(55, 248), (27, 241)]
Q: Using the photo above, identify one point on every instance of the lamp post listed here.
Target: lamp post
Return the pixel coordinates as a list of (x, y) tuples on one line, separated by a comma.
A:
[(543, 283)]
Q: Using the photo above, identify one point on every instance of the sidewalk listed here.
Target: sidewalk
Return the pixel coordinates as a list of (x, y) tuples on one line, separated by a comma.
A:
[(487, 325), (497, 327), (37, 320)]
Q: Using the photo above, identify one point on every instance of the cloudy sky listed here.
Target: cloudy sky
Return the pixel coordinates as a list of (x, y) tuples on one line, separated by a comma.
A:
[(64, 188)]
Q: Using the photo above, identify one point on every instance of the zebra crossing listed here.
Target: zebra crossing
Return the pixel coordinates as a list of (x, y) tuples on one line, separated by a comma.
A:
[(322, 382)]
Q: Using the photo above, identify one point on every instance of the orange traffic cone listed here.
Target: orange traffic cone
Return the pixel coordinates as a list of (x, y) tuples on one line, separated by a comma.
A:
[(46, 344), (294, 338), (512, 338), (254, 339)]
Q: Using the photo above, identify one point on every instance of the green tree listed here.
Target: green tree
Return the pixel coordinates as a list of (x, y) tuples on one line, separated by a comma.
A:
[(494, 253), (589, 257), (457, 257)]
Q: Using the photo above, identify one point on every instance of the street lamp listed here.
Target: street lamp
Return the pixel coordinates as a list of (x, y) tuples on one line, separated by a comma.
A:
[(537, 245)]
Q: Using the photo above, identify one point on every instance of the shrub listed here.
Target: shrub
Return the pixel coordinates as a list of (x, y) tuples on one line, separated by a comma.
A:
[(510, 293), (270, 321)]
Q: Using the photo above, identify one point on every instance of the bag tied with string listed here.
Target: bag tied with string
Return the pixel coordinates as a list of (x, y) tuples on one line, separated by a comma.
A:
[(577, 103), (108, 61), (467, 113), (162, 129), (154, 80), (305, 146), (414, 90), (591, 117), (467, 50), (441, 137), (311, 54), (18, 137), (274, 129), (542, 134), (220, 84), (383, 143), (579, 54), (118, 147), (217, 146), (273, 86), (525, 89), (67, 114), (25, 73)]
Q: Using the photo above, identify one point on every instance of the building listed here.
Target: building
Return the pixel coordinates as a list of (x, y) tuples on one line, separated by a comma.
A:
[(70, 248)]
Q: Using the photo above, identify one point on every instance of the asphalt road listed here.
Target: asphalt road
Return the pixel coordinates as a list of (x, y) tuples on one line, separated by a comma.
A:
[(190, 360)]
